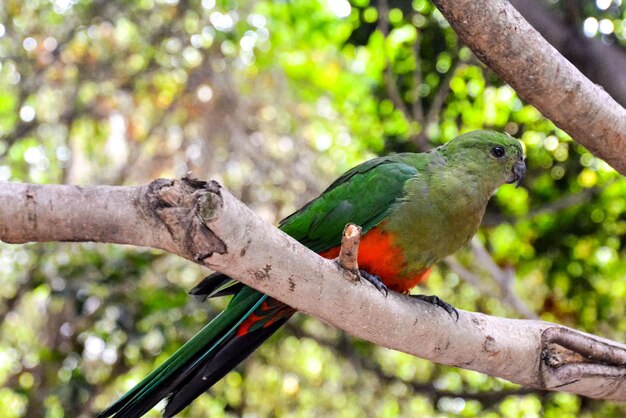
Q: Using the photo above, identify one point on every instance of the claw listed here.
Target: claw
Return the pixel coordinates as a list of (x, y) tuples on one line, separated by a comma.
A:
[(375, 280), (435, 300)]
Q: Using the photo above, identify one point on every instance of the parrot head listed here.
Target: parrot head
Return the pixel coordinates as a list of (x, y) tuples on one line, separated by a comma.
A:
[(495, 157)]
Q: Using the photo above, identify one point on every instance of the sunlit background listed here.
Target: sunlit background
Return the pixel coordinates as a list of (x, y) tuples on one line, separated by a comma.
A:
[(274, 99)]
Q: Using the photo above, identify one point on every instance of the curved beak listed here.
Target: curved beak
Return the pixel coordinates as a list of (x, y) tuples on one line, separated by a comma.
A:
[(518, 173)]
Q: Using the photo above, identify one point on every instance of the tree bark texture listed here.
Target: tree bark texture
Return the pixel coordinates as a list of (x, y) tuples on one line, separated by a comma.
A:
[(601, 63), (202, 222), (505, 42)]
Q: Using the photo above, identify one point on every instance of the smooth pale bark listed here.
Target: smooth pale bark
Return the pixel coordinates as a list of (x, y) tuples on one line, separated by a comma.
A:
[(204, 223), (585, 53), (506, 43)]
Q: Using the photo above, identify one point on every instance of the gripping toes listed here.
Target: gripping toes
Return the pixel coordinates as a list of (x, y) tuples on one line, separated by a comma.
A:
[(435, 300), (375, 280)]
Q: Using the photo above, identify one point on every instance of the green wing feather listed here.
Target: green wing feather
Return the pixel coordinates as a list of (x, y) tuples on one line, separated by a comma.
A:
[(365, 195)]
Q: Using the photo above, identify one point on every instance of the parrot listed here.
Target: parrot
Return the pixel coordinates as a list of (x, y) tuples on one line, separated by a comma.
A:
[(414, 209)]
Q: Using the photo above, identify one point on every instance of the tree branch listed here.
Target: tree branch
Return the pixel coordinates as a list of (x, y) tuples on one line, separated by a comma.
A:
[(581, 51), (504, 41), (204, 223)]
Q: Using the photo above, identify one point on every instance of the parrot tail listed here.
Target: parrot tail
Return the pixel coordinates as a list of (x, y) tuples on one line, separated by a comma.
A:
[(250, 318)]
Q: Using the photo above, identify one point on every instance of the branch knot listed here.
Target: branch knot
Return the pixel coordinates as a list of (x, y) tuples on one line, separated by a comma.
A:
[(185, 207)]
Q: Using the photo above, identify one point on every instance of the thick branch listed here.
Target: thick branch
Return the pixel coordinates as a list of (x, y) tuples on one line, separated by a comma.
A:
[(71, 213), (142, 216), (505, 42), (583, 52), (204, 223)]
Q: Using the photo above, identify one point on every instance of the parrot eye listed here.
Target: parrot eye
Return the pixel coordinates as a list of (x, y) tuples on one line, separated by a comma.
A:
[(497, 152)]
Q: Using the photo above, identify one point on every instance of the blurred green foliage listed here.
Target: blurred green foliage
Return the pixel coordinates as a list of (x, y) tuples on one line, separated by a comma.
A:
[(275, 99)]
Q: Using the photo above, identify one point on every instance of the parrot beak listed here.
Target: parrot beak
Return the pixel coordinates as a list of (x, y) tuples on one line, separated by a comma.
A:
[(519, 172)]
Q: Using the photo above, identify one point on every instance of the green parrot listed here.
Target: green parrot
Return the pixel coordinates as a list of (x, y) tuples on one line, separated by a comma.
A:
[(414, 210)]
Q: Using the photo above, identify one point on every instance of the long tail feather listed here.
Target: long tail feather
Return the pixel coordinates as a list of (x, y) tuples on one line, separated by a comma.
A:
[(216, 285), (233, 353), (251, 317)]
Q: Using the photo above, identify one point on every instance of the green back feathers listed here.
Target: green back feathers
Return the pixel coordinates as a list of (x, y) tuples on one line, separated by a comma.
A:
[(364, 195)]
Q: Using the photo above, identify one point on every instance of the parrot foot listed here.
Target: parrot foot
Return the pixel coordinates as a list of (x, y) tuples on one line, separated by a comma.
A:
[(375, 280), (435, 300)]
